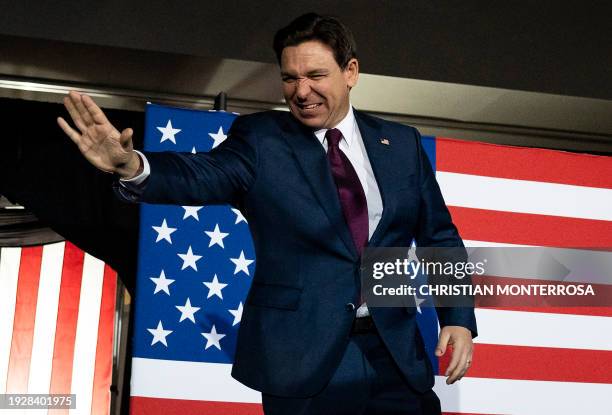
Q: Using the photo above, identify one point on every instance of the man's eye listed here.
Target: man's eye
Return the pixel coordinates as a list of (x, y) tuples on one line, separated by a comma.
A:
[(317, 76), (288, 79)]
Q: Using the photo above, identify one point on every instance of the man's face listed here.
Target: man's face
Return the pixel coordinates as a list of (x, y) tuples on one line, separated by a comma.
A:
[(315, 87)]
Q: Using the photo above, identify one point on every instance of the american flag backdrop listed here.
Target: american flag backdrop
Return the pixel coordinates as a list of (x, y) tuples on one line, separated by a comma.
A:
[(539, 360), (195, 268), (196, 265), (57, 309)]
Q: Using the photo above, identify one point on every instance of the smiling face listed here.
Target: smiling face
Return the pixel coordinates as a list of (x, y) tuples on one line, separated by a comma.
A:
[(315, 87)]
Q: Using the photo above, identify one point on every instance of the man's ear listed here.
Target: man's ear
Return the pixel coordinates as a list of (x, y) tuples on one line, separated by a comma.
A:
[(351, 73)]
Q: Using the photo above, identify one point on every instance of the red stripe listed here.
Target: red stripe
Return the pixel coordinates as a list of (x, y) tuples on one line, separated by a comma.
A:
[(523, 163), (100, 403), (600, 299), (67, 315), (24, 318), (538, 363), (530, 229), (148, 406), (582, 311)]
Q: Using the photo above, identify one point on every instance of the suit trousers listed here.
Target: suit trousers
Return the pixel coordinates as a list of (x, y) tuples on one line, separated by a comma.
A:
[(367, 382)]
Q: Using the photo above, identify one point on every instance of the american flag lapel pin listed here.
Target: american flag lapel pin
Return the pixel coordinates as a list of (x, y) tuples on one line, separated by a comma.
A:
[(384, 141)]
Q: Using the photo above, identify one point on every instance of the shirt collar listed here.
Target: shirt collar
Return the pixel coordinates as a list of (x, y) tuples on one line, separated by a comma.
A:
[(346, 127)]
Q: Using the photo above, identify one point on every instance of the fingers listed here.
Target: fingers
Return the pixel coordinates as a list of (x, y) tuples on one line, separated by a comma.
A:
[(453, 365), (458, 365), (74, 114), (93, 111), (126, 139), (77, 101), (84, 111), (442, 342), (70, 132)]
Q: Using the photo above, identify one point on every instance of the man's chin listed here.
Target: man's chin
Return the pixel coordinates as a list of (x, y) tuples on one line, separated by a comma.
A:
[(311, 122)]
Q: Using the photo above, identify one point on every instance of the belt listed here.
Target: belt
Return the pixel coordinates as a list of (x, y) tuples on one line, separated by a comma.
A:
[(363, 325)]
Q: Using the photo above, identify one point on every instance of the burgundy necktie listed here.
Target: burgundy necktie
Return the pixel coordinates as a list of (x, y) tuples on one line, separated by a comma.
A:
[(350, 191)]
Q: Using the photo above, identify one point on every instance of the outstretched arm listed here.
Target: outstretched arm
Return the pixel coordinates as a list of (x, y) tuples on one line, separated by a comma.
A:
[(97, 139)]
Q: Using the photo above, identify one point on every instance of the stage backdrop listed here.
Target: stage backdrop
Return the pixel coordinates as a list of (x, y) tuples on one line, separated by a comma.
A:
[(57, 309), (196, 264)]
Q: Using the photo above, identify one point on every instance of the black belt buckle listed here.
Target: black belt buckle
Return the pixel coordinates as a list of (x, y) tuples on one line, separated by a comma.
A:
[(363, 325)]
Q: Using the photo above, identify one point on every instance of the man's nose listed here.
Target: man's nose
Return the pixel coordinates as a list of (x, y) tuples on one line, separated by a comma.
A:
[(302, 88)]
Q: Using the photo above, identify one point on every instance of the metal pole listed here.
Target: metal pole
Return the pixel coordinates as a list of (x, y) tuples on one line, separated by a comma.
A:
[(221, 102)]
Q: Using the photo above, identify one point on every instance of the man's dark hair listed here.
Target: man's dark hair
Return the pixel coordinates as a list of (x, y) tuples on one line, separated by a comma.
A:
[(326, 29)]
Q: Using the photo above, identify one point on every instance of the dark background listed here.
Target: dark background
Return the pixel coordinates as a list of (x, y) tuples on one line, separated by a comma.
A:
[(41, 169), (561, 47)]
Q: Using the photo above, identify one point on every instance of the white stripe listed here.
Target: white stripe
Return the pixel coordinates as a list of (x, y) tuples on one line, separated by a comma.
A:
[(46, 317), (43, 339), (171, 379), (212, 382), (10, 258), (475, 244), (493, 193), (87, 334), (524, 397), (518, 328), (543, 263)]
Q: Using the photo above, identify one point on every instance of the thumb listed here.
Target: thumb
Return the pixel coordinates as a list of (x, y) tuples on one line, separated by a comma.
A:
[(442, 343), (126, 139)]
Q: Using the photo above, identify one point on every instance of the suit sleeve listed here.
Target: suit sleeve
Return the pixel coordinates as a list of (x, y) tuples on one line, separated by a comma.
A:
[(436, 229), (223, 175)]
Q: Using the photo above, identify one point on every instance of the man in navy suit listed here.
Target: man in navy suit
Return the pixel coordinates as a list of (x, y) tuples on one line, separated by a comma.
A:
[(317, 186)]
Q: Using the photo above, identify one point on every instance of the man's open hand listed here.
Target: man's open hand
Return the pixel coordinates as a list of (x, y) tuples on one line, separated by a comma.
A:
[(97, 139), (461, 340)]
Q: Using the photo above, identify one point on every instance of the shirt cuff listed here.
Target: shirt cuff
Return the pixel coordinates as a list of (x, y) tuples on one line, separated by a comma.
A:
[(146, 172)]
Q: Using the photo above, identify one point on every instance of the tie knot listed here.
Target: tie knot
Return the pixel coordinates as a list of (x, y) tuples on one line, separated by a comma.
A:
[(333, 137)]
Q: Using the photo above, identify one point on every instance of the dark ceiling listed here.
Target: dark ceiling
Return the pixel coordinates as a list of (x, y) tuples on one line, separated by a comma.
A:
[(547, 46)]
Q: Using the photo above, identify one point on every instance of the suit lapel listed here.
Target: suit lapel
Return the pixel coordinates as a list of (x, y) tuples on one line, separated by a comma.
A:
[(313, 162), (378, 154)]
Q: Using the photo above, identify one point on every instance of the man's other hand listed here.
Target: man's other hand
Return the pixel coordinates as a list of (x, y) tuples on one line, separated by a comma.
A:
[(460, 339), (97, 139)]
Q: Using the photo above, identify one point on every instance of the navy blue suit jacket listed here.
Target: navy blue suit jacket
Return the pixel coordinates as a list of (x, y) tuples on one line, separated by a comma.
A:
[(296, 323)]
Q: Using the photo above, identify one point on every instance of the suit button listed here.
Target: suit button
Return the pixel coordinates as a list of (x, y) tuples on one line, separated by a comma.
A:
[(350, 307)]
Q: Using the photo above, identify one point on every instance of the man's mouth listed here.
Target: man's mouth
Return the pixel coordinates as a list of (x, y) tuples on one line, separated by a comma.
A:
[(308, 107)]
